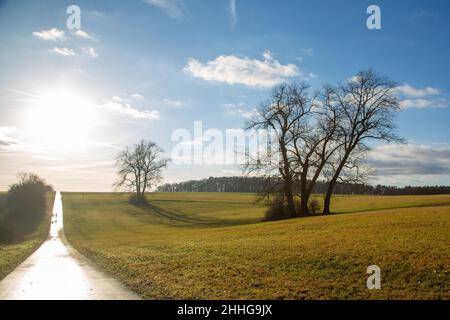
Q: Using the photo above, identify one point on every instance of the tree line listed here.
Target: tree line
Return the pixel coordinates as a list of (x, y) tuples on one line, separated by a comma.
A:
[(256, 185), (219, 184)]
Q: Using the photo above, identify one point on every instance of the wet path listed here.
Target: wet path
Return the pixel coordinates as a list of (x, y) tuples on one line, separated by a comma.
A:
[(57, 271)]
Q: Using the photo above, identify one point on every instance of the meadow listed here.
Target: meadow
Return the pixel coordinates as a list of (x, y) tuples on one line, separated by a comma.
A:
[(213, 246), (12, 255)]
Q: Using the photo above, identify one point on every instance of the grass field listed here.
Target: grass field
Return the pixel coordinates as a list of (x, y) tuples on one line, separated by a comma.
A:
[(12, 255), (210, 245)]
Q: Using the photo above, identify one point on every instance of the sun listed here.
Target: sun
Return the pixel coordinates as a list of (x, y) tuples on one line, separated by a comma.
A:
[(60, 118)]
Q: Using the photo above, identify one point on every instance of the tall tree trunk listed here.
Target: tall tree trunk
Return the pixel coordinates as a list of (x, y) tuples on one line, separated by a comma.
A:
[(304, 204), (327, 200), (143, 188), (289, 198), (304, 191), (138, 188), (138, 195), (287, 180), (314, 180)]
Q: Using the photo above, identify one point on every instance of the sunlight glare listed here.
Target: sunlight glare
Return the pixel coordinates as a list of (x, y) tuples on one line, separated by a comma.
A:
[(60, 119)]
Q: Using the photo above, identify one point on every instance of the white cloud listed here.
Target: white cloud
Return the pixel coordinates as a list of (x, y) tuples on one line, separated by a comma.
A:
[(242, 113), (118, 105), (173, 8), (410, 91), (20, 92), (415, 103), (410, 159), (233, 105), (83, 34), (307, 51), (423, 103), (63, 51), (97, 15), (174, 103), (13, 140), (56, 34), (238, 109), (246, 71), (117, 99), (233, 13), (417, 98), (352, 79), (420, 98), (90, 51), (8, 137), (137, 96), (51, 34)]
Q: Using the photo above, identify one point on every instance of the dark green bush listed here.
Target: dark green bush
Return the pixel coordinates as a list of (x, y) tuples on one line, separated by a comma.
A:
[(277, 210), (26, 205)]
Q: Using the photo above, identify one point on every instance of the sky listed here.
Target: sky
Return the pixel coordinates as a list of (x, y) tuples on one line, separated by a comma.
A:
[(71, 99)]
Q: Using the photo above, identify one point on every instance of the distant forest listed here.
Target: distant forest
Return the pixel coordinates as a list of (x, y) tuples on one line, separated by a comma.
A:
[(254, 184)]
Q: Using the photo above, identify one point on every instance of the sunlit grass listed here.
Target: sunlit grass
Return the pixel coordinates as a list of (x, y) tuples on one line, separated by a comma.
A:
[(210, 245)]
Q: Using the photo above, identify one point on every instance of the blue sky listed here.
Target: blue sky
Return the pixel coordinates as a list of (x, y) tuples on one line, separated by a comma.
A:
[(142, 69)]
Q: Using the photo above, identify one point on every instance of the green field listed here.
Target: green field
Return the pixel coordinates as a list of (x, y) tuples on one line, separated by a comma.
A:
[(12, 255), (212, 245)]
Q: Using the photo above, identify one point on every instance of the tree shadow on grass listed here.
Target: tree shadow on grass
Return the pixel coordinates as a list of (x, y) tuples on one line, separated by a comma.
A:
[(178, 218)]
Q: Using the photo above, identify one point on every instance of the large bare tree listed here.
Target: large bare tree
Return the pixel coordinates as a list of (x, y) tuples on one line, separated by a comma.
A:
[(323, 135), (367, 105), (139, 168), (285, 115), (287, 108), (314, 146)]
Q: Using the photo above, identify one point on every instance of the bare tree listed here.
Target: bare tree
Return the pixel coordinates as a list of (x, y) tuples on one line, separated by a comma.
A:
[(323, 136), (140, 168), (283, 114), (305, 138), (356, 169), (367, 104), (314, 146)]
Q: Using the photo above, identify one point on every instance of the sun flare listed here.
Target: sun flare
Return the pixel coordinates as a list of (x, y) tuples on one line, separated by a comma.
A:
[(60, 119)]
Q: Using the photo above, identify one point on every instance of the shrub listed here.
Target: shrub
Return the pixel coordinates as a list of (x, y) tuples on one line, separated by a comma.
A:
[(314, 206), (9, 233), (277, 210), (26, 205)]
